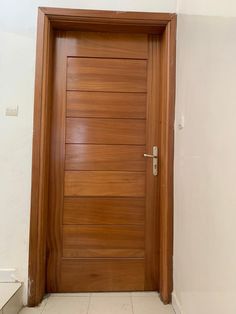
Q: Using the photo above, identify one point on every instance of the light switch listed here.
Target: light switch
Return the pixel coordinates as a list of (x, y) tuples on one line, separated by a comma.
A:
[(12, 111), (181, 122)]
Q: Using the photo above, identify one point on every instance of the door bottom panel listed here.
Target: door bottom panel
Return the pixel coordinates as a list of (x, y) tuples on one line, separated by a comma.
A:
[(88, 275)]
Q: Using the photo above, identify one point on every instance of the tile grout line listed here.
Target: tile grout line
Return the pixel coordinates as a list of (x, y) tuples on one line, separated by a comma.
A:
[(89, 302), (131, 297)]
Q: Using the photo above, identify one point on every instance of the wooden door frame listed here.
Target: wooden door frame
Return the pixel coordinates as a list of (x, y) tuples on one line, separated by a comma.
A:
[(50, 19)]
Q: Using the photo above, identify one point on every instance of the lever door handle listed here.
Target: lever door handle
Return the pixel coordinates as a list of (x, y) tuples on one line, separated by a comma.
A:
[(154, 156), (150, 156)]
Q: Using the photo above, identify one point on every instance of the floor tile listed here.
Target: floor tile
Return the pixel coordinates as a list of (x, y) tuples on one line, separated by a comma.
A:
[(110, 305), (81, 294), (101, 303), (150, 305), (111, 294), (66, 305), (31, 310), (145, 294)]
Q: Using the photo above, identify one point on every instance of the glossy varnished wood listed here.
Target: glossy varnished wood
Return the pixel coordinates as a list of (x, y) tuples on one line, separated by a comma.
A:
[(104, 183), (40, 164), (96, 241), (104, 210), (103, 16), (103, 241), (108, 45), (50, 18), (76, 276), (115, 21), (106, 105), (105, 131), (109, 75), (105, 157), (57, 156), (152, 182), (168, 56)]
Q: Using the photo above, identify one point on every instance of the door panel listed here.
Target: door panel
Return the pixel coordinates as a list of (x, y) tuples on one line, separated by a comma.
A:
[(102, 224), (114, 211), (104, 183), (126, 274), (108, 45), (105, 131), (110, 75), (105, 157), (106, 105), (103, 241)]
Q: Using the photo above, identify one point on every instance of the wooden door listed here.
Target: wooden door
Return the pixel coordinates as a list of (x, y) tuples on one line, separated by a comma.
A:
[(103, 200)]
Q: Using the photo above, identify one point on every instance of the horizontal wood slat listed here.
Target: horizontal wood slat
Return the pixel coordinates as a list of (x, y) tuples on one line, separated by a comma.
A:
[(106, 105), (102, 253), (103, 241), (105, 131), (110, 45), (104, 183), (96, 210), (105, 157), (101, 275), (111, 75)]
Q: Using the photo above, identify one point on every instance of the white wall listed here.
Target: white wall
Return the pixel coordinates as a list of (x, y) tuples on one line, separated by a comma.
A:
[(16, 88), (205, 166), (207, 7), (20, 16), (17, 58)]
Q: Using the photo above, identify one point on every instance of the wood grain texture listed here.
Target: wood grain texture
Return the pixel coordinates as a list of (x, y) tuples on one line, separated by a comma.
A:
[(166, 175), (105, 157), (103, 241), (93, 21), (106, 105), (105, 131), (108, 45), (104, 183), (106, 275), (110, 75), (108, 17), (86, 26), (100, 210), (40, 166), (152, 182), (101, 21), (57, 157)]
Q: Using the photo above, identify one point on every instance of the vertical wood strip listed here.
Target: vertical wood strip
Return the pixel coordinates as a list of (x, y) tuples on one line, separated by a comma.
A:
[(152, 186), (57, 157), (167, 156), (39, 189)]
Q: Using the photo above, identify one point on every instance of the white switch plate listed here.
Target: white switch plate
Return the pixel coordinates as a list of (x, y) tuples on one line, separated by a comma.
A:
[(181, 122), (12, 111)]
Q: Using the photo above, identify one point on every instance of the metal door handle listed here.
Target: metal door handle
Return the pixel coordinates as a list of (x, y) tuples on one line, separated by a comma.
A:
[(150, 156), (154, 160)]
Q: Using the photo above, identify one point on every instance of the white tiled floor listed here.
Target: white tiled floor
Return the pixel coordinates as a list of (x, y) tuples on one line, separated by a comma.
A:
[(102, 303)]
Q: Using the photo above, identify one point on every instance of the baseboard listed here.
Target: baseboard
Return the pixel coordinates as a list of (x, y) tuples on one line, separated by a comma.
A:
[(8, 275), (176, 304)]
